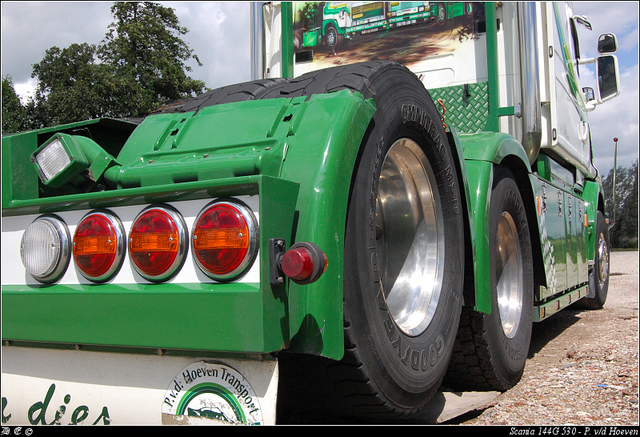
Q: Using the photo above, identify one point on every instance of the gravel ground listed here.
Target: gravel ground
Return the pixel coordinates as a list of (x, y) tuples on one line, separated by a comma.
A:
[(583, 365)]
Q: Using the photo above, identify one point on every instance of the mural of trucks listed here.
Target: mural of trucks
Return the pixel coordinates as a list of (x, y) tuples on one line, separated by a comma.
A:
[(331, 22)]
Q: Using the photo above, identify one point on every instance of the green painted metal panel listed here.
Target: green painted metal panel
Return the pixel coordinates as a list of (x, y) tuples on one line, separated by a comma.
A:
[(287, 39), (322, 161), (492, 66), (594, 199), (222, 317), (19, 181), (492, 147), (564, 238), (480, 176), (170, 316)]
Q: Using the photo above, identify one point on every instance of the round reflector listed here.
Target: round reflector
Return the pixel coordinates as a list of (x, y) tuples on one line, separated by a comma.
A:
[(298, 264), (45, 248), (304, 263), (158, 243), (225, 240), (98, 246)]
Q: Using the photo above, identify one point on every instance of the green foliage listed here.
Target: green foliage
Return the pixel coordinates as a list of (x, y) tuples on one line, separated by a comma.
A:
[(138, 67), (144, 47), (624, 233), (71, 86), (310, 14), (13, 113)]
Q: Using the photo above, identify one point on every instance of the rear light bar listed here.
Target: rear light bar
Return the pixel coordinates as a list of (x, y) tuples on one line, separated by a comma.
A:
[(225, 242)]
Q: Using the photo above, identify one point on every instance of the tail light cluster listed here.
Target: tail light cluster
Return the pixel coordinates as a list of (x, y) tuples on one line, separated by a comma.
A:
[(225, 240), (224, 243)]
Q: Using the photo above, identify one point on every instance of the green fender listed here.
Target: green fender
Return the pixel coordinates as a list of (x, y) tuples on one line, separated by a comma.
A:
[(479, 154), (321, 157), (594, 202)]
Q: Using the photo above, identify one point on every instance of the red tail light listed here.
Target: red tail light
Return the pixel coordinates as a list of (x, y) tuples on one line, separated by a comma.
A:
[(158, 243), (225, 240), (98, 246)]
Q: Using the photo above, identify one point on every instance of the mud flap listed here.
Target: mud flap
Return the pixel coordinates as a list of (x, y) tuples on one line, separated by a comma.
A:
[(49, 386)]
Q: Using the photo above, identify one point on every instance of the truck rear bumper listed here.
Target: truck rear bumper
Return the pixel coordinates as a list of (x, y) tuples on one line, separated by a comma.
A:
[(51, 386)]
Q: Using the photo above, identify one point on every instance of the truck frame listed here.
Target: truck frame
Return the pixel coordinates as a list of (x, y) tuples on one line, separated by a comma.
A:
[(347, 231)]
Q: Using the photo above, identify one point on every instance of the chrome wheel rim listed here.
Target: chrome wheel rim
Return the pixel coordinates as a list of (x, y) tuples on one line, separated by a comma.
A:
[(508, 271), (603, 260), (409, 237)]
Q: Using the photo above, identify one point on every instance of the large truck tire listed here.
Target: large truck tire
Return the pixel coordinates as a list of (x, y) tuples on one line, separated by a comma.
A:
[(599, 275), (491, 349), (404, 254), (240, 92)]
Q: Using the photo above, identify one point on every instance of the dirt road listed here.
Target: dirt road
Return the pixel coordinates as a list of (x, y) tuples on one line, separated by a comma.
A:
[(583, 365)]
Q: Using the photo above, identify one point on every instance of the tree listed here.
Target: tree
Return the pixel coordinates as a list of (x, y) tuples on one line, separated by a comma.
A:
[(624, 233), (144, 47), (13, 113), (71, 85), (138, 67)]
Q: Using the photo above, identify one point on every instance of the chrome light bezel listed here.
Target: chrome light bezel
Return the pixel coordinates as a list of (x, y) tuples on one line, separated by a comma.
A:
[(62, 258)]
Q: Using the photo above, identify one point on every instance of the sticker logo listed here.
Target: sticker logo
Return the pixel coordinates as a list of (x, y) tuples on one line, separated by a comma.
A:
[(212, 391)]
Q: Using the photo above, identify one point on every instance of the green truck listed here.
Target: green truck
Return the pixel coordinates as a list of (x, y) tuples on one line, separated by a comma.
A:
[(343, 237)]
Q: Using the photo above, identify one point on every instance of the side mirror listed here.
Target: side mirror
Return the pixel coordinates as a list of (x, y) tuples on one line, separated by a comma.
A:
[(607, 43), (608, 77), (581, 19), (589, 94)]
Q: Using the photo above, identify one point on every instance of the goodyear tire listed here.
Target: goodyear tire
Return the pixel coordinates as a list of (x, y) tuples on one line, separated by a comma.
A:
[(599, 276), (491, 349), (241, 92), (404, 251)]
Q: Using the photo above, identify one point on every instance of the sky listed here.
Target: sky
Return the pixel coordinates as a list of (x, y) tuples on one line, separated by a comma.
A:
[(219, 33)]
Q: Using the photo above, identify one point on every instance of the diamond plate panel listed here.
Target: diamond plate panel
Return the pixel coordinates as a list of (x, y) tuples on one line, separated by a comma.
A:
[(466, 106)]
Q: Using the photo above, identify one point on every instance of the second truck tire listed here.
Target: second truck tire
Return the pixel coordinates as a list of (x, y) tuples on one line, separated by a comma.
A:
[(491, 349)]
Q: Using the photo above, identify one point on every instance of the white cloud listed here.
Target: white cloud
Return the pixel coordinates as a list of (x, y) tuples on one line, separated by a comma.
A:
[(617, 118), (25, 90)]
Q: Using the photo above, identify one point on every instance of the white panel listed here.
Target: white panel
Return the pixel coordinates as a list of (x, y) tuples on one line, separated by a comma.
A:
[(123, 389)]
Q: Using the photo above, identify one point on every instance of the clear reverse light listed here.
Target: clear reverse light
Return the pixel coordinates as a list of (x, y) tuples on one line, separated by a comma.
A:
[(52, 159), (45, 249)]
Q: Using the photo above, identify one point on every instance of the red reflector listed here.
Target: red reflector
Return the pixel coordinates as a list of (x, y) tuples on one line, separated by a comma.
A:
[(304, 263), (98, 246), (225, 240), (298, 264), (157, 243)]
